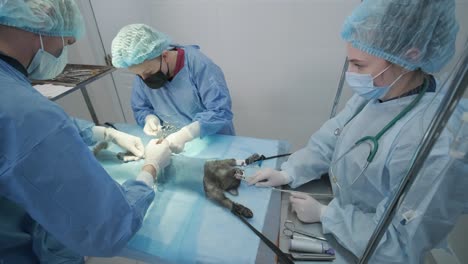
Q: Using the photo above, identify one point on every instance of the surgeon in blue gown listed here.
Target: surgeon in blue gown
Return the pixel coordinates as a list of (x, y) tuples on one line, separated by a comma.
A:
[(174, 85), (394, 47), (57, 203)]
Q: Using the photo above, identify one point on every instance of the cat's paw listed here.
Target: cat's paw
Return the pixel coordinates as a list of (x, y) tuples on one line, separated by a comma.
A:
[(241, 210), (253, 158)]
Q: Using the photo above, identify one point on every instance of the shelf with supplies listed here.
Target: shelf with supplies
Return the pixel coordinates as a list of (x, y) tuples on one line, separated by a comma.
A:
[(74, 77)]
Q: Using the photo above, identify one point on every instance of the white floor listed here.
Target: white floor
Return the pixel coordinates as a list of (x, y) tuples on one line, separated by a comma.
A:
[(115, 260), (120, 260)]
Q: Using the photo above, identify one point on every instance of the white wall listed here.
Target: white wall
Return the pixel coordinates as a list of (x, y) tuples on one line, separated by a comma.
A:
[(281, 59), (89, 50)]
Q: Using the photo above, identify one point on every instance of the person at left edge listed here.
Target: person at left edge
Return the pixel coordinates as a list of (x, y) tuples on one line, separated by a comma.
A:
[(57, 203)]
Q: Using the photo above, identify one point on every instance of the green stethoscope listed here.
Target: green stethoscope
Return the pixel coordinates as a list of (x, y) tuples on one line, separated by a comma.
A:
[(374, 140)]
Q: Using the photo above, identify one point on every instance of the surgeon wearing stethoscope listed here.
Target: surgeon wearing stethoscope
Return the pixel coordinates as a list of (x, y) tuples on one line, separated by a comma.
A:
[(393, 48)]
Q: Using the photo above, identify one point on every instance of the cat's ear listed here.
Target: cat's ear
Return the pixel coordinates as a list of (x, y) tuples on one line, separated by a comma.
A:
[(233, 192)]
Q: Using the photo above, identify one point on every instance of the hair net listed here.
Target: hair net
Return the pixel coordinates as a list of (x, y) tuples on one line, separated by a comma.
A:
[(410, 33), (46, 17), (136, 43)]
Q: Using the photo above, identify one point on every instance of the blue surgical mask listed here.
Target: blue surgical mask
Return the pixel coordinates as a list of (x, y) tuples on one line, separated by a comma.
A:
[(46, 66), (363, 85)]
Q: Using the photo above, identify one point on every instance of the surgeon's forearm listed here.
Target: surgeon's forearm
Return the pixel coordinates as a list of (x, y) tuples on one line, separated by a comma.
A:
[(113, 213), (212, 121), (84, 128), (193, 130), (140, 105), (147, 175), (150, 169)]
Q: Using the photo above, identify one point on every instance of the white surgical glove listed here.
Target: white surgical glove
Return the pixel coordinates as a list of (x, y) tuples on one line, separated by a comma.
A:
[(152, 125), (157, 155), (125, 141), (268, 177), (178, 139), (308, 209)]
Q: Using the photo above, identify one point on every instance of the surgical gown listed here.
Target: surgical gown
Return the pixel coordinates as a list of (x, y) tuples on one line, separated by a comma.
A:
[(197, 93), (49, 176), (428, 212)]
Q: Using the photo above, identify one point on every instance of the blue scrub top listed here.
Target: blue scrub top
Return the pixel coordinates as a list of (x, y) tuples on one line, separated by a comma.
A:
[(362, 192), (198, 92), (51, 185)]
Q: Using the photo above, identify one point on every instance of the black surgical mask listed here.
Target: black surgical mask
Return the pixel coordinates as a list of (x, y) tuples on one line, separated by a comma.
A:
[(158, 79)]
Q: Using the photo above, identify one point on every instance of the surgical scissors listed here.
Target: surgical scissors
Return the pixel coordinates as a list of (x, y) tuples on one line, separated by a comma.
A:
[(289, 229)]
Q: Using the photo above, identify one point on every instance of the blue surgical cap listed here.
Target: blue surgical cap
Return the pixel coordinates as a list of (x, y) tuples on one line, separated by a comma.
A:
[(415, 34), (46, 17), (136, 43)]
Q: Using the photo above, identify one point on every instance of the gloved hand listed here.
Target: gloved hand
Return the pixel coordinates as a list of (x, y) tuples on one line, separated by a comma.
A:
[(308, 209), (268, 177), (125, 141), (178, 139), (157, 155), (152, 125)]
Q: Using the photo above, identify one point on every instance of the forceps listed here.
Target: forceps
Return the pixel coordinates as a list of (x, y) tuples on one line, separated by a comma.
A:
[(290, 229)]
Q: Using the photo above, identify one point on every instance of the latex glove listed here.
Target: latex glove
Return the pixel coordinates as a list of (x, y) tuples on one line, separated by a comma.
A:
[(157, 155), (178, 139), (152, 125), (308, 209), (268, 177), (124, 140)]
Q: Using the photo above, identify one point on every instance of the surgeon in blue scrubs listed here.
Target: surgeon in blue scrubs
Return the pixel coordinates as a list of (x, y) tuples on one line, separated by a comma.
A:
[(57, 203), (394, 47), (174, 85)]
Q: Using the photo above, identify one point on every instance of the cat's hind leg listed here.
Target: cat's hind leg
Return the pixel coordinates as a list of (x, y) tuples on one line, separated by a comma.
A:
[(215, 193)]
